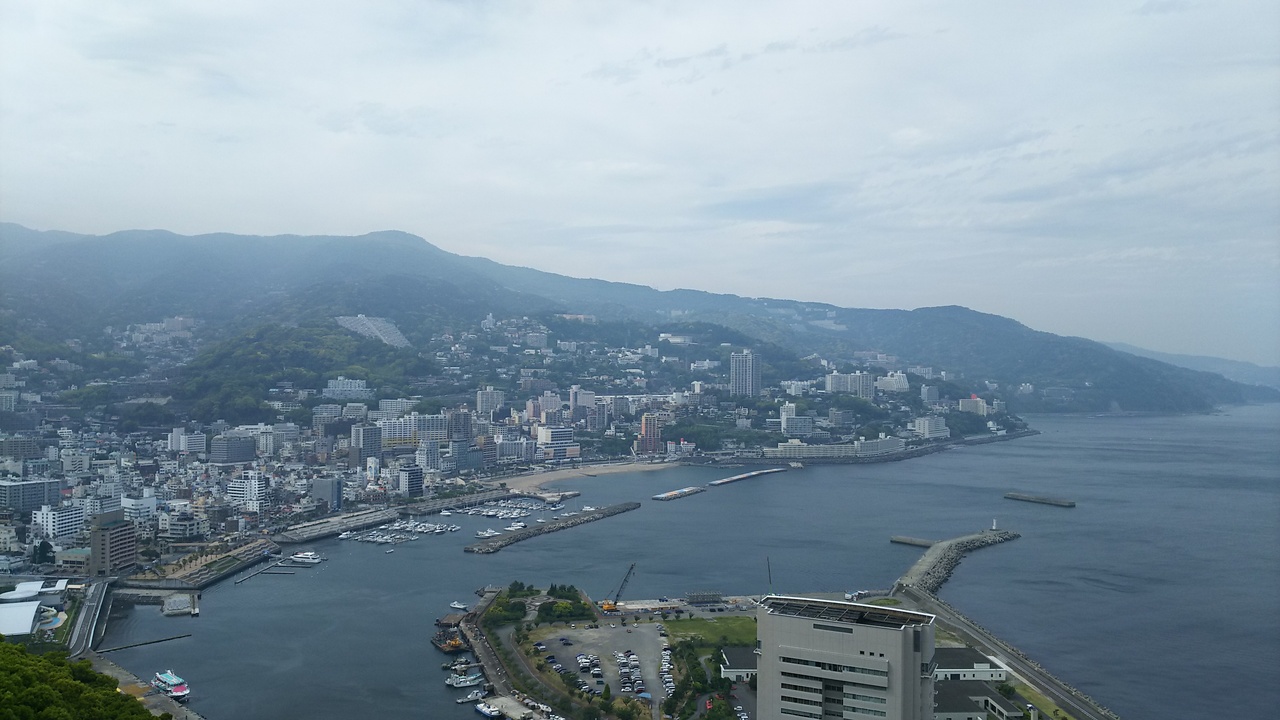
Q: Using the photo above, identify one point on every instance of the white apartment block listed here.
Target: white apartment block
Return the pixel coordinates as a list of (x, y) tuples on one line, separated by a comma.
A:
[(861, 384), (931, 427), (59, 522)]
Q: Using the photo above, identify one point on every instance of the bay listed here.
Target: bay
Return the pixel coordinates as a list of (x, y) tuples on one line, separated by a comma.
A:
[(1157, 594)]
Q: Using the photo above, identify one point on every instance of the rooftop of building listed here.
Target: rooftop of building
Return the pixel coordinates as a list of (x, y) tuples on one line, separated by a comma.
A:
[(740, 658), (849, 613), (954, 658), (957, 696)]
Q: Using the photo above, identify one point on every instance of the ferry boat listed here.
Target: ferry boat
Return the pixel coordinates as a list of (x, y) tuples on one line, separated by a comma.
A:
[(457, 605), (461, 681), (488, 710), (306, 558), (171, 685)]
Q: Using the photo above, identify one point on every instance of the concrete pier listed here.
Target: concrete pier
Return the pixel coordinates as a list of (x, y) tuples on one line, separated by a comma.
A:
[(904, 540)]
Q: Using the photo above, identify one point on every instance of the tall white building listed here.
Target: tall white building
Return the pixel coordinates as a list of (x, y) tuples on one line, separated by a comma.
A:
[(893, 382), (744, 374), (859, 383), (248, 491), (59, 522), (973, 405), (829, 658), (931, 427), (488, 400)]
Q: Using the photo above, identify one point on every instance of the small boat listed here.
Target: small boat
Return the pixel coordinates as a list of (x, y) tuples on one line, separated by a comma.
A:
[(391, 551), (457, 605), (306, 558), (488, 710), (472, 696), (460, 681), (445, 513)]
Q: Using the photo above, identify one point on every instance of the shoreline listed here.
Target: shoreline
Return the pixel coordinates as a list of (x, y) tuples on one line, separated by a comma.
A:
[(536, 482)]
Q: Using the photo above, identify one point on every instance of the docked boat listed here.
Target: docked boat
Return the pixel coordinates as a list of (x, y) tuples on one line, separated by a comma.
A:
[(474, 695), (171, 685), (445, 513), (449, 641), (306, 558), (488, 710), (457, 605), (461, 681)]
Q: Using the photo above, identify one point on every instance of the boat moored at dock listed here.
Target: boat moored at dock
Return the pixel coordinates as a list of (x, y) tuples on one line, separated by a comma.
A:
[(306, 558)]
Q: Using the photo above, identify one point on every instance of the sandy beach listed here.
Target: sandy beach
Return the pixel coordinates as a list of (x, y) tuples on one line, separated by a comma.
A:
[(538, 481)]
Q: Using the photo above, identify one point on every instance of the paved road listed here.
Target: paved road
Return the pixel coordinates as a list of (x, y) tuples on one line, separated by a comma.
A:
[(82, 631), (1059, 692)]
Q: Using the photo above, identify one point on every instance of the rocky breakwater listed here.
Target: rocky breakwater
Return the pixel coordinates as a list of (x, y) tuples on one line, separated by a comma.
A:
[(495, 544), (935, 568)]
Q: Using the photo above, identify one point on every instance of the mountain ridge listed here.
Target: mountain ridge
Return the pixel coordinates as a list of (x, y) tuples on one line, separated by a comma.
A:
[(56, 282)]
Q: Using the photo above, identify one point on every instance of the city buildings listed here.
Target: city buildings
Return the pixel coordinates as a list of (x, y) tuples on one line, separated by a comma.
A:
[(744, 374), (650, 439), (488, 400), (930, 427), (830, 658), (113, 545), (973, 405), (861, 384), (62, 521)]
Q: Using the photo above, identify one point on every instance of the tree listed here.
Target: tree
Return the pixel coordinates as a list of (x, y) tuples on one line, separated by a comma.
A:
[(1005, 689), (44, 553)]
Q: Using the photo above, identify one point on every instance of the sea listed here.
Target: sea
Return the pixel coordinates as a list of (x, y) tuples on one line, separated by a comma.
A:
[(1158, 594)]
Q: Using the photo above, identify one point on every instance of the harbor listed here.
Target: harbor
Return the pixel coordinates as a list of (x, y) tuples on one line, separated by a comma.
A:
[(494, 544)]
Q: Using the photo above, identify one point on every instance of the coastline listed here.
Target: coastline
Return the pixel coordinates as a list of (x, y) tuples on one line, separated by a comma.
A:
[(534, 482)]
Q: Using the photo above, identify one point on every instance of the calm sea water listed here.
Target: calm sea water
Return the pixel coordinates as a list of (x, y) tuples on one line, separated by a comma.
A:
[(1157, 594)]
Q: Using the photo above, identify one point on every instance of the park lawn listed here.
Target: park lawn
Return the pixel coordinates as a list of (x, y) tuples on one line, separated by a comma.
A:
[(1046, 706), (735, 631), (885, 602), (222, 564)]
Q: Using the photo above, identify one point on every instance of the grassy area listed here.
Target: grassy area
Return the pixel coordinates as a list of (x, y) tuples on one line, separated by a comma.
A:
[(63, 632), (885, 602), (1046, 706), (740, 631), (221, 564)]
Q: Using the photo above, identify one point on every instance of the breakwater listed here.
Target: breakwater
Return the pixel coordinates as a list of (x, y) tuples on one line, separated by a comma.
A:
[(1024, 497), (496, 544), (904, 540), (931, 571), (744, 476), (682, 492)]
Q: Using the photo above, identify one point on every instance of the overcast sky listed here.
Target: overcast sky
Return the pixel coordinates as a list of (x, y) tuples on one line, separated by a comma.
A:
[(1106, 169)]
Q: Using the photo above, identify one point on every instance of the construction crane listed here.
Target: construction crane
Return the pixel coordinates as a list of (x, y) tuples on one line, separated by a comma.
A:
[(610, 604)]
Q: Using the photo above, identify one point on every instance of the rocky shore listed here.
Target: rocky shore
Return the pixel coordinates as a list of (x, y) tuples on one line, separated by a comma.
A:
[(934, 569)]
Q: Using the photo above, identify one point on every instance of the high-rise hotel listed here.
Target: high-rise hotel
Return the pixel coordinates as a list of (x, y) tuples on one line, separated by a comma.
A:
[(744, 374), (830, 658)]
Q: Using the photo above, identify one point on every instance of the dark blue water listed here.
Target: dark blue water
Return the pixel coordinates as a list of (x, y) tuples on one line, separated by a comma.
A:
[(1157, 594)]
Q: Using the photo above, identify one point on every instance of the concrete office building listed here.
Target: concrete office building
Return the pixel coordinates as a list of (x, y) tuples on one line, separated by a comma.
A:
[(830, 658), (744, 374), (26, 495), (113, 545)]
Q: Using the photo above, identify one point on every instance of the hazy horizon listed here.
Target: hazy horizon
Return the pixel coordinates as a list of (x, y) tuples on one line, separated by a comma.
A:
[(1099, 170)]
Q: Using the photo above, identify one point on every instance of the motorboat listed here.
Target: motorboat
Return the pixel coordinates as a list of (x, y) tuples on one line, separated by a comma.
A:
[(306, 558), (488, 710), (461, 681), (474, 695), (390, 550), (457, 605)]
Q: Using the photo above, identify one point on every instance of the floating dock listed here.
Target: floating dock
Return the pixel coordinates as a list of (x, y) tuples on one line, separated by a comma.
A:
[(677, 494), (744, 476), (1024, 497)]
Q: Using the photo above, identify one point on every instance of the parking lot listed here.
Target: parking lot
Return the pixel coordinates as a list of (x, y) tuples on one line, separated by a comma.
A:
[(606, 643)]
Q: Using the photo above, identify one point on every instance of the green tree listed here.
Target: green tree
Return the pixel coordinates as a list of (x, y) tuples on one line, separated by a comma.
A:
[(44, 553)]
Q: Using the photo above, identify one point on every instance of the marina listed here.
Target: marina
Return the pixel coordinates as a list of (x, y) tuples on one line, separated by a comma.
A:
[(567, 520)]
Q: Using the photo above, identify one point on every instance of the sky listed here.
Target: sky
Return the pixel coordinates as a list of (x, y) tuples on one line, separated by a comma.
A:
[(1103, 169)]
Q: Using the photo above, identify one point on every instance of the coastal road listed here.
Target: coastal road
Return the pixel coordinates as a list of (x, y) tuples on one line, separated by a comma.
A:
[(1060, 693), (81, 639)]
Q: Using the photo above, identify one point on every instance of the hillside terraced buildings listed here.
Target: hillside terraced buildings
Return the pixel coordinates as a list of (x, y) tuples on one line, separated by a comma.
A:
[(830, 658)]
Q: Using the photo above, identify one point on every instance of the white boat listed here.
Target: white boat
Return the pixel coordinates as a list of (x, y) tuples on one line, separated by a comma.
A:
[(306, 558), (171, 685), (459, 681), (488, 710), (472, 696), (345, 535), (457, 605), (445, 513), (391, 551)]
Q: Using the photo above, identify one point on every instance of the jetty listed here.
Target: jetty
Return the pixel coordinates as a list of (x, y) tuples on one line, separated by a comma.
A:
[(905, 540), (745, 476), (931, 571), (677, 494), (495, 544), (1043, 500)]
